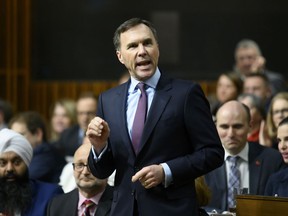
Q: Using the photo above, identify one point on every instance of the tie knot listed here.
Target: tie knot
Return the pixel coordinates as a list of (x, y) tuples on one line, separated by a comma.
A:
[(233, 159), (88, 203), (141, 86)]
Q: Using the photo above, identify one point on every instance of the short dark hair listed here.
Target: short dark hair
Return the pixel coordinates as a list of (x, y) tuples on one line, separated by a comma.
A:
[(33, 120), (128, 25), (261, 76)]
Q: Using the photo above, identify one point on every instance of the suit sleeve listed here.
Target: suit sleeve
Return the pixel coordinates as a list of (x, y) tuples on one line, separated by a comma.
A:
[(208, 153)]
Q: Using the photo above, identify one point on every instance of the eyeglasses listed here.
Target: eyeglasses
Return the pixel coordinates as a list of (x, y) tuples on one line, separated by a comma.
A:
[(79, 166), (282, 111)]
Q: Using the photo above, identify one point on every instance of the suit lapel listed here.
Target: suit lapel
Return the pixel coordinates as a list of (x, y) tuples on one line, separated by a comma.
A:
[(255, 168), (121, 101), (72, 205), (221, 180), (104, 205)]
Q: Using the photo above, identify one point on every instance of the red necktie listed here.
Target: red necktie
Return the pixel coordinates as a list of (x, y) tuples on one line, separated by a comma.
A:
[(139, 119), (88, 204)]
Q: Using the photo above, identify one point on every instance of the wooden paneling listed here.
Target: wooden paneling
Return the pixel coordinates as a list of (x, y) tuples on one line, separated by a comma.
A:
[(15, 52), (43, 94), (250, 205)]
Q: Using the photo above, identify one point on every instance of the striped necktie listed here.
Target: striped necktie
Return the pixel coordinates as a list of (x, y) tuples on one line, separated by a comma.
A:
[(88, 204)]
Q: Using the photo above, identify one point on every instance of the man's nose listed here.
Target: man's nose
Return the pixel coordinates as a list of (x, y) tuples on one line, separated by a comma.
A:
[(230, 131), (142, 50)]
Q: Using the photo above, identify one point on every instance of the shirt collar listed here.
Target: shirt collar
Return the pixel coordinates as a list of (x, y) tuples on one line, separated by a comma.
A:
[(95, 199), (151, 82), (243, 154)]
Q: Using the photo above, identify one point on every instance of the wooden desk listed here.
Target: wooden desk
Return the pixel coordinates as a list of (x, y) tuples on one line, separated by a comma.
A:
[(251, 205)]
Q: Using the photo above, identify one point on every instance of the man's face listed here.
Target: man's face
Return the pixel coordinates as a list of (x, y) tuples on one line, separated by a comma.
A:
[(84, 178), (139, 52), (34, 139), (256, 86), (233, 127), (245, 60), (86, 111), (12, 167)]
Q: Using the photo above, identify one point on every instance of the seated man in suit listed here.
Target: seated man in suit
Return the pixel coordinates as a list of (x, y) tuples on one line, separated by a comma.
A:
[(89, 188), (20, 195), (253, 165), (277, 184)]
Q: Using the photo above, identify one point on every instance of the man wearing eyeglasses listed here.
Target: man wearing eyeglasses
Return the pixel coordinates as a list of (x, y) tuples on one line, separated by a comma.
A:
[(92, 196)]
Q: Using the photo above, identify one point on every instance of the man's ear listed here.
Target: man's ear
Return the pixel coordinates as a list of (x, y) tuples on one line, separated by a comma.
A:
[(118, 53)]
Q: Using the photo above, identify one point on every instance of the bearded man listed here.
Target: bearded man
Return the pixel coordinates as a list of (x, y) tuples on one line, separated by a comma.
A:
[(20, 195)]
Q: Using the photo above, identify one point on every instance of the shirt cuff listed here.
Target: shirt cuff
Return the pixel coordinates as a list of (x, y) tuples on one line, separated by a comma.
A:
[(168, 175), (97, 158)]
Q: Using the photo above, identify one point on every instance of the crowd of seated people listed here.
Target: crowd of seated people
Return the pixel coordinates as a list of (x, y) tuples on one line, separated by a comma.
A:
[(250, 107)]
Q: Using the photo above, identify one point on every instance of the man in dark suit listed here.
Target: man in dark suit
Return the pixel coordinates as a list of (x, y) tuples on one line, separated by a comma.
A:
[(88, 188), (255, 162), (179, 141)]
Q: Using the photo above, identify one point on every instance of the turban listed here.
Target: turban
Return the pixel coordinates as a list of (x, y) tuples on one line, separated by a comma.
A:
[(15, 142)]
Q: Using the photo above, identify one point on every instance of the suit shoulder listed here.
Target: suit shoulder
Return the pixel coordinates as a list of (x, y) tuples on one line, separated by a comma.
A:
[(119, 88), (65, 196), (257, 147), (45, 186)]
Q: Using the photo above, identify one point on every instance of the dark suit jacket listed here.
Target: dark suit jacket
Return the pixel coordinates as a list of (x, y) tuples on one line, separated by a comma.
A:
[(278, 184), (42, 193), (69, 142), (67, 204), (263, 162), (47, 163), (178, 131)]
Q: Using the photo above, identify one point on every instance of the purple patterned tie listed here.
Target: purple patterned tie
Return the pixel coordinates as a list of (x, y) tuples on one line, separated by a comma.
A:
[(139, 119), (234, 180)]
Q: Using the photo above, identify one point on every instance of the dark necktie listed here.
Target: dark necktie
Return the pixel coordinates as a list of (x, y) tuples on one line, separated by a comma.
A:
[(88, 204), (234, 180), (139, 119)]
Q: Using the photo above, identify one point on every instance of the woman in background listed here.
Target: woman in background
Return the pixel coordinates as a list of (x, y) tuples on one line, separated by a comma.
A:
[(277, 111), (63, 115), (229, 87)]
